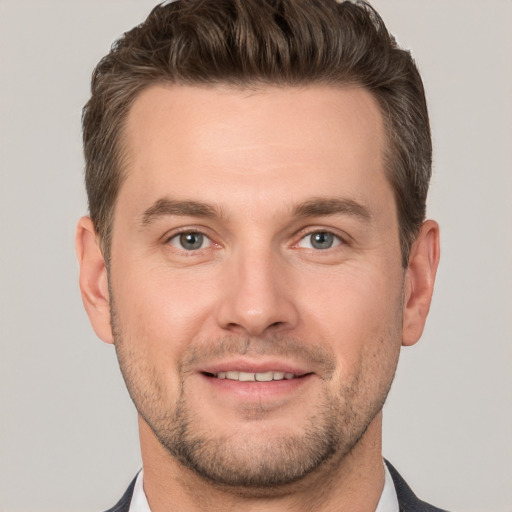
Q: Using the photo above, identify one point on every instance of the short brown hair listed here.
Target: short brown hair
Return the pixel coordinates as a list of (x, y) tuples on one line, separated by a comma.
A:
[(258, 42)]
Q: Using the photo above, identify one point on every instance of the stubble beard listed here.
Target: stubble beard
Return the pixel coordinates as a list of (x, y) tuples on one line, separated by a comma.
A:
[(244, 461)]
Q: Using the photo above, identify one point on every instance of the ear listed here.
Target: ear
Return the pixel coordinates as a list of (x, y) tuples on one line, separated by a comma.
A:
[(419, 281), (93, 279)]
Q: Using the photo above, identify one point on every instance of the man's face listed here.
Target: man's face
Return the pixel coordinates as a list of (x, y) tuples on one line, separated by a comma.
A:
[(256, 285)]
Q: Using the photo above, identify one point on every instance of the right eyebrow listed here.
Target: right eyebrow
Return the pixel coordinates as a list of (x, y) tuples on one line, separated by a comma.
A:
[(165, 206)]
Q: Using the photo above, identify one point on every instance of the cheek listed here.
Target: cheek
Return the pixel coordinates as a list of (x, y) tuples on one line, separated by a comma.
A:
[(353, 298), (161, 311), (359, 313)]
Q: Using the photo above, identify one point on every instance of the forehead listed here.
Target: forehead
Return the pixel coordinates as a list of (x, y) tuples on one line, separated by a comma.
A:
[(269, 141)]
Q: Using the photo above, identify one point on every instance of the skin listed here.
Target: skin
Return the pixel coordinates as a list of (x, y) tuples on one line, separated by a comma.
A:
[(257, 173)]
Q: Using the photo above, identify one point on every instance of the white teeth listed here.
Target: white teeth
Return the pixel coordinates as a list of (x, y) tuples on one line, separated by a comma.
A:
[(264, 377), (251, 377)]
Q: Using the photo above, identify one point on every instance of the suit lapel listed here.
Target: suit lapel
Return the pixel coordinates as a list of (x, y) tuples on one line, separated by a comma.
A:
[(123, 505), (407, 500)]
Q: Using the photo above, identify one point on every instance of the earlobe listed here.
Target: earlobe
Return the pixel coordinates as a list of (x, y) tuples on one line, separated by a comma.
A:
[(419, 281), (93, 279)]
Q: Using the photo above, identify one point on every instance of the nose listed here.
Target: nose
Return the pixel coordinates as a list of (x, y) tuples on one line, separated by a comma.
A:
[(258, 295)]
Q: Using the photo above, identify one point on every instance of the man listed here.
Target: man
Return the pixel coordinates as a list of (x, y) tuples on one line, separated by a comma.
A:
[(257, 249)]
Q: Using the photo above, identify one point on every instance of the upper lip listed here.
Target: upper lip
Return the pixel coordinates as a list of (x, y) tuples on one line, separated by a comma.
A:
[(255, 366)]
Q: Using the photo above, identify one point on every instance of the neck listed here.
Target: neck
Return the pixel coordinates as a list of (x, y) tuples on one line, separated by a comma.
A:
[(353, 482)]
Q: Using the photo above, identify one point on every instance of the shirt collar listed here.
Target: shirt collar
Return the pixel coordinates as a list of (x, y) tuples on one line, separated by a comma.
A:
[(139, 501), (388, 499)]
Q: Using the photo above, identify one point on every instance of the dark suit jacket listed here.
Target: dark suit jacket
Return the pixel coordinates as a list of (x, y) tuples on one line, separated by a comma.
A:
[(407, 500)]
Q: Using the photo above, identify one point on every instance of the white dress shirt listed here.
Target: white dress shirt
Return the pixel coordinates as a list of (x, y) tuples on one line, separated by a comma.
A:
[(388, 499), (139, 501)]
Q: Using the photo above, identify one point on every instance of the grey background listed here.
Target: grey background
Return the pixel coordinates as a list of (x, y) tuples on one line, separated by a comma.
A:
[(68, 438)]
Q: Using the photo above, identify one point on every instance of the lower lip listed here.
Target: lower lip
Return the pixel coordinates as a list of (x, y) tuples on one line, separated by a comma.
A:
[(254, 390)]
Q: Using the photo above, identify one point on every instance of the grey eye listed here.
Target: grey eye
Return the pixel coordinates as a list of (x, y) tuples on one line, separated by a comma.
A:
[(190, 241), (320, 240)]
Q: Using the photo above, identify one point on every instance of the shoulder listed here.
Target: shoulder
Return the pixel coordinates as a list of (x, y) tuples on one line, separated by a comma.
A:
[(123, 505), (407, 500)]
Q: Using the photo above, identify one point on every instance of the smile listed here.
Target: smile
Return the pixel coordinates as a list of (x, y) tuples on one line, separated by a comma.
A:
[(255, 377), (251, 382)]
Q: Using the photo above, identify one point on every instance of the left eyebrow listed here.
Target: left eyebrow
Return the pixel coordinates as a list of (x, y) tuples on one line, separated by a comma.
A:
[(319, 207)]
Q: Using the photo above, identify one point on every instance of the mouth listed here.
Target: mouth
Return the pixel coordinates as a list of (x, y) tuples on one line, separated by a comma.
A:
[(247, 381), (267, 376)]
